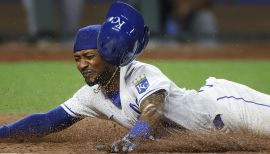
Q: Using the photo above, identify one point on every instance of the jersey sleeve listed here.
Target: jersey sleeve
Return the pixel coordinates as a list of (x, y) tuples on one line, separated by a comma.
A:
[(81, 104), (146, 80)]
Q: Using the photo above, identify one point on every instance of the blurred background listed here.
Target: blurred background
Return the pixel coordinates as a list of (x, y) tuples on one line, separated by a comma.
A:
[(173, 23)]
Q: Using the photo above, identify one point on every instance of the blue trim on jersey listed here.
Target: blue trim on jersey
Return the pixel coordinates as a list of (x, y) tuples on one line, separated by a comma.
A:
[(38, 125), (147, 93), (72, 111), (116, 99), (242, 100), (135, 108)]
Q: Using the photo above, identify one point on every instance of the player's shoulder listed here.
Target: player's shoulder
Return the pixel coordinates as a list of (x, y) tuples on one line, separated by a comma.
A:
[(85, 91), (87, 87), (139, 72)]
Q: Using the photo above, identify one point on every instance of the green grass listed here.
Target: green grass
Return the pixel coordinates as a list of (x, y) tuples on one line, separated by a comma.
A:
[(38, 86), (192, 74)]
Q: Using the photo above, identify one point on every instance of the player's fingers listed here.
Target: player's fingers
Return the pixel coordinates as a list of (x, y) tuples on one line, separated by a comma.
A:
[(125, 148), (105, 148), (115, 149), (130, 149), (116, 146)]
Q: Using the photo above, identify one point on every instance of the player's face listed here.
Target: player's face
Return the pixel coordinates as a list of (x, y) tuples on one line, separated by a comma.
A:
[(91, 66)]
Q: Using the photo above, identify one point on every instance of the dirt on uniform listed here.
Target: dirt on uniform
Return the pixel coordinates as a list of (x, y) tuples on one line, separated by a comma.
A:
[(84, 136)]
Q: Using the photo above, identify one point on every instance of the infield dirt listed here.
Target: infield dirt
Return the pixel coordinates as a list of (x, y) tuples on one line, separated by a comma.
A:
[(84, 136), (13, 52)]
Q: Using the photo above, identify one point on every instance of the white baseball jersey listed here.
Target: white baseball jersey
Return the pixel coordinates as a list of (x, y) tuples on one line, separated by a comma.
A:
[(238, 105)]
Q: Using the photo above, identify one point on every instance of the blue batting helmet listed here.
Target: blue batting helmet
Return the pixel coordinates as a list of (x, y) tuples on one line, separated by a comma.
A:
[(123, 35), (86, 38)]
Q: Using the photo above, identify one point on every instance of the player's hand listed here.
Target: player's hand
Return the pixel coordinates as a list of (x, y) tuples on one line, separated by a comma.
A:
[(123, 145)]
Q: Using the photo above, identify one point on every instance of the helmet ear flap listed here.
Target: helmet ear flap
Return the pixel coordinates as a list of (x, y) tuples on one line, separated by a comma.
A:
[(145, 40), (146, 36)]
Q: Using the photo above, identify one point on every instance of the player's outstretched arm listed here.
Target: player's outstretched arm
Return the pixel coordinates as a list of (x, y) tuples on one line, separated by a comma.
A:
[(38, 125), (151, 114)]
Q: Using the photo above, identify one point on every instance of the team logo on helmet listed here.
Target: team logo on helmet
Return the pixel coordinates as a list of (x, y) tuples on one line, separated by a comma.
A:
[(118, 23)]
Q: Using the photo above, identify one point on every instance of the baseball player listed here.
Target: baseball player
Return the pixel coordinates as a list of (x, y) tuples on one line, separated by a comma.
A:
[(138, 95)]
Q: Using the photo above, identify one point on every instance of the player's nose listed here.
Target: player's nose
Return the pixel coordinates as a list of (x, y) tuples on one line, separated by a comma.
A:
[(83, 64)]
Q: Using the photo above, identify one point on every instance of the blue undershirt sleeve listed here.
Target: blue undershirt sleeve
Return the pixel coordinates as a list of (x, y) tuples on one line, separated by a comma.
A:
[(39, 125)]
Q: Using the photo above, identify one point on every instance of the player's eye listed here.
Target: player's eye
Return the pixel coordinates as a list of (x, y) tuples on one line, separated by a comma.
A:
[(77, 59), (89, 56)]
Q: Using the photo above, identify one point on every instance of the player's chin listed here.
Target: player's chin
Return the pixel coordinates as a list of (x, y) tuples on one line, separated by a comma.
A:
[(91, 82)]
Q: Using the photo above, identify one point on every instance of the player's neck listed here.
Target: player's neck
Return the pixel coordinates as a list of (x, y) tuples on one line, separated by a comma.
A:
[(112, 84)]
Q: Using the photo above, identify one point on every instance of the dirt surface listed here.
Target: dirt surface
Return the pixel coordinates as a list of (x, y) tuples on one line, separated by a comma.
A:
[(84, 136), (14, 51), (80, 138)]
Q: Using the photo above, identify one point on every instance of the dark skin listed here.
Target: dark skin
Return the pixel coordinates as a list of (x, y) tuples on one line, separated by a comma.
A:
[(97, 71), (152, 107)]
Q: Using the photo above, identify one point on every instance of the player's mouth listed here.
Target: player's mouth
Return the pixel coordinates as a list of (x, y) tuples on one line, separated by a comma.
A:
[(87, 73)]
